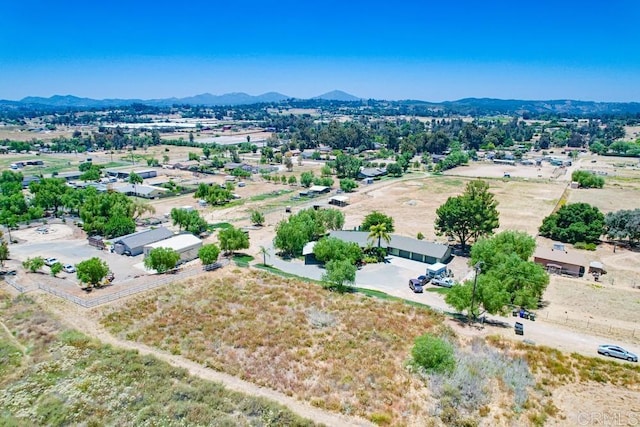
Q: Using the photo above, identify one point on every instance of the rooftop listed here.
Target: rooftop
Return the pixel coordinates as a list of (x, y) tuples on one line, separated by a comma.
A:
[(177, 242)]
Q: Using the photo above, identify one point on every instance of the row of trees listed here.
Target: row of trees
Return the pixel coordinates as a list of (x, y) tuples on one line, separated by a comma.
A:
[(307, 225)]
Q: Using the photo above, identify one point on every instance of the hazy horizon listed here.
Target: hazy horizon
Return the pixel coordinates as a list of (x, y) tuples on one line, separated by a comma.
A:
[(410, 50)]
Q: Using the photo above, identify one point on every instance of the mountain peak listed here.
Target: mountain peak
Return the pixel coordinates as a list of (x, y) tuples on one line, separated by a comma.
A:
[(337, 95)]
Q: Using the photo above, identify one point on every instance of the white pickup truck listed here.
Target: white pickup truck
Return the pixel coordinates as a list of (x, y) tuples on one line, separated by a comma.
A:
[(445, 282)]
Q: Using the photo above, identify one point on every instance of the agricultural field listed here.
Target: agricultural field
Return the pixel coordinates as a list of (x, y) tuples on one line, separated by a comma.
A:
[(350, 353), (51, 375)]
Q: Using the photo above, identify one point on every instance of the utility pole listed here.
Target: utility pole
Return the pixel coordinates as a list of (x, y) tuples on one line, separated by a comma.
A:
[(476, 267)]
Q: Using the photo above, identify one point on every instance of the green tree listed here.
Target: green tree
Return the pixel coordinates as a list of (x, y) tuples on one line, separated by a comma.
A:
[(292, 180), (233, 239), (189, 220), (33, 264), (348, 185), (97, 209), (433, 354), (506, 278), (339, 274), (332, 248), (193, 157), (134, 179), (119, 225), (307, 225), (379, 232), (208, 254), (587, 179), (55, 269), (347, 166), (306, 179), (48, 193), (375, 218), (92, 271), (257, 217), (623, 224), (469, 216), (394, 169), (162, 259), (91, 174), (206, 152), (572, 223)]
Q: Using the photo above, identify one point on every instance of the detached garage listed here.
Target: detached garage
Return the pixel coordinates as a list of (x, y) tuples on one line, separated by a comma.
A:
[(187, 245)]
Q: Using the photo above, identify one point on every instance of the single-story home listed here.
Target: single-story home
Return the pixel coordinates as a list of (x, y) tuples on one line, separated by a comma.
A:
[(186, 244), (371, 173), (133, 244), (559, 260), (146, 191), (401, 246)]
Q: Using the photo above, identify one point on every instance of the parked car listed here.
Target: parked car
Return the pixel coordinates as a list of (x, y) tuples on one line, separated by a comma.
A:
[(50, 261), (68, 268), (415, 285), (615, 351), (424, 279), (445, 282)]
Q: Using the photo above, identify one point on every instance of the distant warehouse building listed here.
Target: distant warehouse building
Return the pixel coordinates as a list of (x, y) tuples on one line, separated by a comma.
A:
[(133, 244), (187, 245)]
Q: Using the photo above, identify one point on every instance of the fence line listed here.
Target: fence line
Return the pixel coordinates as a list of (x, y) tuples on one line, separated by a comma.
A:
[(594, 327), (12, 281), (94, 302)]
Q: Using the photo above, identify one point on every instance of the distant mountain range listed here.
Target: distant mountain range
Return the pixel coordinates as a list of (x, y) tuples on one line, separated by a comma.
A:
[(234, 98), (469, 106)]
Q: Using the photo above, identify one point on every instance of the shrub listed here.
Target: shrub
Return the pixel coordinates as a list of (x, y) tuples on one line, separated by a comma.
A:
[(585, 246), (433, 354), (587, 179)]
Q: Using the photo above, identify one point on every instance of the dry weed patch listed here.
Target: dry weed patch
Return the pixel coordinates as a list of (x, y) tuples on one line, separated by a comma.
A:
[(345, 353), (66, 378)]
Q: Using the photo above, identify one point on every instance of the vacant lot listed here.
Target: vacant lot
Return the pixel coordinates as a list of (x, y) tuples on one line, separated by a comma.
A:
[(340, 352), (54, 376)]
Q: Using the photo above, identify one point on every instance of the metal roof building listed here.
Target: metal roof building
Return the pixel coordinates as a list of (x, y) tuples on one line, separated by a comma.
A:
[(133, 244), (187, 245)]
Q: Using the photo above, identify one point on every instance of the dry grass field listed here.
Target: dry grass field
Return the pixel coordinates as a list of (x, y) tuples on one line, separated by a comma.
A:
[(52, 375)]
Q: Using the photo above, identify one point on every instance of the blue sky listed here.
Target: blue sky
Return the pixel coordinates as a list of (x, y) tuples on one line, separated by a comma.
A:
[(435, 51)]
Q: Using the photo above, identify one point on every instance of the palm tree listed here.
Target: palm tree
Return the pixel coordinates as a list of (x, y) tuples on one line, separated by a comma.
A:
[(379, 231), (265, 253), (134, 179)]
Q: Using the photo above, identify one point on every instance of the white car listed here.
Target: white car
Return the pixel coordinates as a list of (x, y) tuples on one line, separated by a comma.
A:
[(68, 268), (445, 282), (50, 261)]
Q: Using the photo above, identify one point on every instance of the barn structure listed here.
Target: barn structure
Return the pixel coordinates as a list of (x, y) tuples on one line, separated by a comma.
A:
[(133, 244), (186, 244)]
